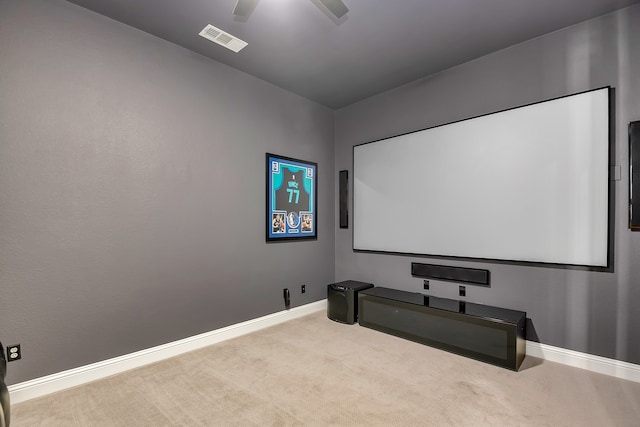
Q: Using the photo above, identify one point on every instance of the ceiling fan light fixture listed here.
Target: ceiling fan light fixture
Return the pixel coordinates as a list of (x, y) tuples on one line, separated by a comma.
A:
[(243, 8), (223, 38), (336, 7)]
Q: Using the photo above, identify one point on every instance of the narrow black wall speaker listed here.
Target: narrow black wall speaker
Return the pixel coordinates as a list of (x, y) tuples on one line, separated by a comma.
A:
[(342, 300), (474, 276), (634, 176), (344, 199)]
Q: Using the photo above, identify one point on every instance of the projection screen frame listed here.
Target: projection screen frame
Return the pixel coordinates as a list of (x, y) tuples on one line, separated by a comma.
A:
[(610, 194)]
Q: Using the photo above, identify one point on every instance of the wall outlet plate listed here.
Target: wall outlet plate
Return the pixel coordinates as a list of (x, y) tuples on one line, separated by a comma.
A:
[(14, 353)]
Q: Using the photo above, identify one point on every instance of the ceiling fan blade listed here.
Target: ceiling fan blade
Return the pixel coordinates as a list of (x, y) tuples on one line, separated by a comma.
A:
[(244, 8), (336, 7)]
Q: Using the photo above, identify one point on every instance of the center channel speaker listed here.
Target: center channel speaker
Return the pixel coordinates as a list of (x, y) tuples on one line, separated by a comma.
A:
[(342, 300)]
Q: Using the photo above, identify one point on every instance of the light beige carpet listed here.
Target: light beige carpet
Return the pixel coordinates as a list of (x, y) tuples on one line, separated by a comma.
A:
[(313, 371)]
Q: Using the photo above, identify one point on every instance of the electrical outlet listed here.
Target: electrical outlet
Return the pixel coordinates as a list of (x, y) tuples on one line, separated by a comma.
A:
[(13, 353), (425, 284), (463, 291), (303, 288)]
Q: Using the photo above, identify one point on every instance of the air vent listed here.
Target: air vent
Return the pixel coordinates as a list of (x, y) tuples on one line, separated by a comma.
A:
[(216, 35)]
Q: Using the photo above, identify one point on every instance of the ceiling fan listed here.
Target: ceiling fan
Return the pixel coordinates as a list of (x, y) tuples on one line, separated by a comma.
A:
[(244, 8)]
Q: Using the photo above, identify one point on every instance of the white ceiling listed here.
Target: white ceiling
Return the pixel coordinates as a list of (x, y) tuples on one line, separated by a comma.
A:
[(379, 45)]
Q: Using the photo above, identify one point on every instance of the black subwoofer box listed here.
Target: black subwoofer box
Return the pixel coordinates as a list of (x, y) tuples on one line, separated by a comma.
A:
[(342, 300)]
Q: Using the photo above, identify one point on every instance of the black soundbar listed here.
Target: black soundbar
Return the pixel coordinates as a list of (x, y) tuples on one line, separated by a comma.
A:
[(474, 276)]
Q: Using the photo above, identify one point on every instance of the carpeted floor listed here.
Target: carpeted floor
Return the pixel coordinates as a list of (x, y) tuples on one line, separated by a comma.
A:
[(313, 371)]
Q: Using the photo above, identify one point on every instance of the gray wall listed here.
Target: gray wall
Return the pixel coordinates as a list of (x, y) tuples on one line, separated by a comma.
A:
[(132, 192), (132, 187), (590, 312)]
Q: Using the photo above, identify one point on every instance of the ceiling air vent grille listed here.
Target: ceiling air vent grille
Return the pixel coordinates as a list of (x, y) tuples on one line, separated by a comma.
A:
[(222, 38)]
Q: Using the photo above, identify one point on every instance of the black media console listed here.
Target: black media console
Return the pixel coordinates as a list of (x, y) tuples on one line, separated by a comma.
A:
[(490, 334)]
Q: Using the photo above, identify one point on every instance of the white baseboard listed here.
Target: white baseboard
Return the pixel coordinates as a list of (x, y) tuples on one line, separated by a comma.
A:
[(62, 380), (84, 374), (590, 362)]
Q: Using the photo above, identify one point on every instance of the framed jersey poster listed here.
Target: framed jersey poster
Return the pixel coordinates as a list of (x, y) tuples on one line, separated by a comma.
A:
[(292, 186)]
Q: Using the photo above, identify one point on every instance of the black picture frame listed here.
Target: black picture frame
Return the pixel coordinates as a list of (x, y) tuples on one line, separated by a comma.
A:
[(291, 199)]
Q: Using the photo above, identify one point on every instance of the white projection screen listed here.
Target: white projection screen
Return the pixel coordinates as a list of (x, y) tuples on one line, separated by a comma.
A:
[(529, 184)]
